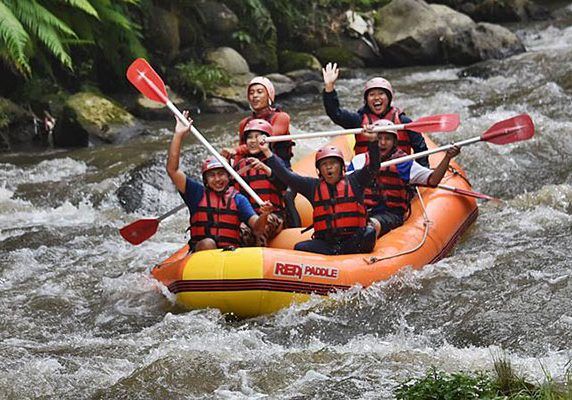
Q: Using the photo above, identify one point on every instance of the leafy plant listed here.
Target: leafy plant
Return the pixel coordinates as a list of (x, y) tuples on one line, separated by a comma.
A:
[(36, 31), (198, 79)]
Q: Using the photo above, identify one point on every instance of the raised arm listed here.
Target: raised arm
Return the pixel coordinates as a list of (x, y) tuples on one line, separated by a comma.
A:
[(177, 175), (439, 172)]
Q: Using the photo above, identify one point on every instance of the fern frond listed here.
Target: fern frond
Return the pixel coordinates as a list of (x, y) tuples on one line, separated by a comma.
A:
[(83, 5), (14, 38), (33, 15), (115, 17), (49, 37)]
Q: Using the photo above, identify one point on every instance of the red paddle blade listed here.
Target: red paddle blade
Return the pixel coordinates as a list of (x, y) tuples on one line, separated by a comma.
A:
[(510, 130), (147, 81), (476, 195), (139, 231), (435, 123)]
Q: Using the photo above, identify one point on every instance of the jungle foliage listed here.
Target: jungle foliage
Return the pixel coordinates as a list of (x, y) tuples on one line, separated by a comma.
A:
[(37, 35)]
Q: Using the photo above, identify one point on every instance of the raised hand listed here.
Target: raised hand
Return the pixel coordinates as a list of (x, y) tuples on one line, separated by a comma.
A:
[(330, 74), (181, 128)]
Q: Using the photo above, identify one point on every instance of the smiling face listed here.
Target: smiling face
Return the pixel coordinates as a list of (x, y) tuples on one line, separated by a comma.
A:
[(387, 141), (216, 179), (377, 100), (331, 169), (252, 141), (258, 97)]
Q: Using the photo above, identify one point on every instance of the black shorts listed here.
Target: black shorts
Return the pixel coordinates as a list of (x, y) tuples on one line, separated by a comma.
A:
[(387, 220)]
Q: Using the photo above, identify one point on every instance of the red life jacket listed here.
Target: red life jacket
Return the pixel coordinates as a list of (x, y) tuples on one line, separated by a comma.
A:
[(217, 218), (340, 215), (403, 141), (262, 185), (388, 188), (270, 117)]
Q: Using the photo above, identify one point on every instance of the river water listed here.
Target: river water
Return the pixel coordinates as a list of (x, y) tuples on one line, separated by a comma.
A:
[(82, 319)]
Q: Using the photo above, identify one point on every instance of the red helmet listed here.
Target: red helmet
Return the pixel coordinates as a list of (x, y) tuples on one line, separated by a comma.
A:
[(210, 163), (258, 124), (379, 83), (329, 151), (260, 80), (385, 122)]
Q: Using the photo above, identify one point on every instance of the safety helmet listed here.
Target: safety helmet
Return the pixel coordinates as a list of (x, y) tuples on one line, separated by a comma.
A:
[(385, 122), (261, 80), (329, 151), (379, 83), (258, 124), (209, 164)]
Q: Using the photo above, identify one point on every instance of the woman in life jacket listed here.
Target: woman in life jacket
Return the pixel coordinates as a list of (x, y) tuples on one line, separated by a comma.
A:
[(261, 94), (386, 196), (216, 208), (260, 178), (378, 95), (339, 218)]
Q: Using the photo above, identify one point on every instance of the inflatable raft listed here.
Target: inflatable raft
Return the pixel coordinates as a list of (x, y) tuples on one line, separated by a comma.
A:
[(252, 281)]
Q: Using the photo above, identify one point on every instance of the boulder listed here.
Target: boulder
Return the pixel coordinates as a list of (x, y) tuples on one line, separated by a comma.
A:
[(228, 59), (218, 17), (89, 118), (17, 126), (499, 11), (340, 55), (163, 33), (481, 42), (283, 84), (294, 60), (434, 33)]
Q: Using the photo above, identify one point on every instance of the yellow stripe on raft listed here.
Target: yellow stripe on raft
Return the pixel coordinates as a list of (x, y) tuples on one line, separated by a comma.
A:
[(246, 265)]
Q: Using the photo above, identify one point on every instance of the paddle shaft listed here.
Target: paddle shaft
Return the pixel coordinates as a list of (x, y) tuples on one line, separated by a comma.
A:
[(215, 153), (173, 211), (354, 131), (415, 156)]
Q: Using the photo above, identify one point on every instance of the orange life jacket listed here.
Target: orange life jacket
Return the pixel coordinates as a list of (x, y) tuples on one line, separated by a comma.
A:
[(403, 141), (217, 218), (260, 182), (388, 188), (338, 215)]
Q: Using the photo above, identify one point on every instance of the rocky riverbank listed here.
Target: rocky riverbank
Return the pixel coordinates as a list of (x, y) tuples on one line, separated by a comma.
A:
[(208, 50)]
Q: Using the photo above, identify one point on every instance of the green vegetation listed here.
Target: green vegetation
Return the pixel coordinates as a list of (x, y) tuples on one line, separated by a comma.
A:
[(480, 385), (36, 32), (198, 79)]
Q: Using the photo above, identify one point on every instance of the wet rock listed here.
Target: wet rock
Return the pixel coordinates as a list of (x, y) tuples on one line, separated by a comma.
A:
[(218, 17), (294, 60), (228, 59), (282, 84), (436, 34), (163, 33), (88, 118), (16, 126), (220, 106), (499, 11), (481, 42), (340, 55)]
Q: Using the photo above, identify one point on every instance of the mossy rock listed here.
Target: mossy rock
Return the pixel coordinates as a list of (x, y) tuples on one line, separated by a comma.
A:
[(295, 60), (16, 125), (342, 56), (91, 118)]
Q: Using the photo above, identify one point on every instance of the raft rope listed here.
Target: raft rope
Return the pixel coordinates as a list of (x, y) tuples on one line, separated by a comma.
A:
[(426, 223)]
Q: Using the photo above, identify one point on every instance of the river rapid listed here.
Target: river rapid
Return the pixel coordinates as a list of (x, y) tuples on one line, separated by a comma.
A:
[(82, 319)]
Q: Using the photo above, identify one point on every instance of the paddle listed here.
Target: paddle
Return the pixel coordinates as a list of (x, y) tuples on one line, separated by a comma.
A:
[(506, 131), (150, 84), (465, 192), (139, 231), (432, 123)]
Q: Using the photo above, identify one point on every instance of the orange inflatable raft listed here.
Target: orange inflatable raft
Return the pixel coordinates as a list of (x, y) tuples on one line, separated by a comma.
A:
[(253, 281)]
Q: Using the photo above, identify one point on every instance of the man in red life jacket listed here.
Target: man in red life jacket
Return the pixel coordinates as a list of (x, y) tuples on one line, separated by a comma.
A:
[(387, 195), (259, 177), (340, 218), (216, 208), (378, 95), (261, 94)]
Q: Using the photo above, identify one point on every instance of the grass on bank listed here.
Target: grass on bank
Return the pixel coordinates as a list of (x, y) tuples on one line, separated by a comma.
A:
[(503, 385)]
